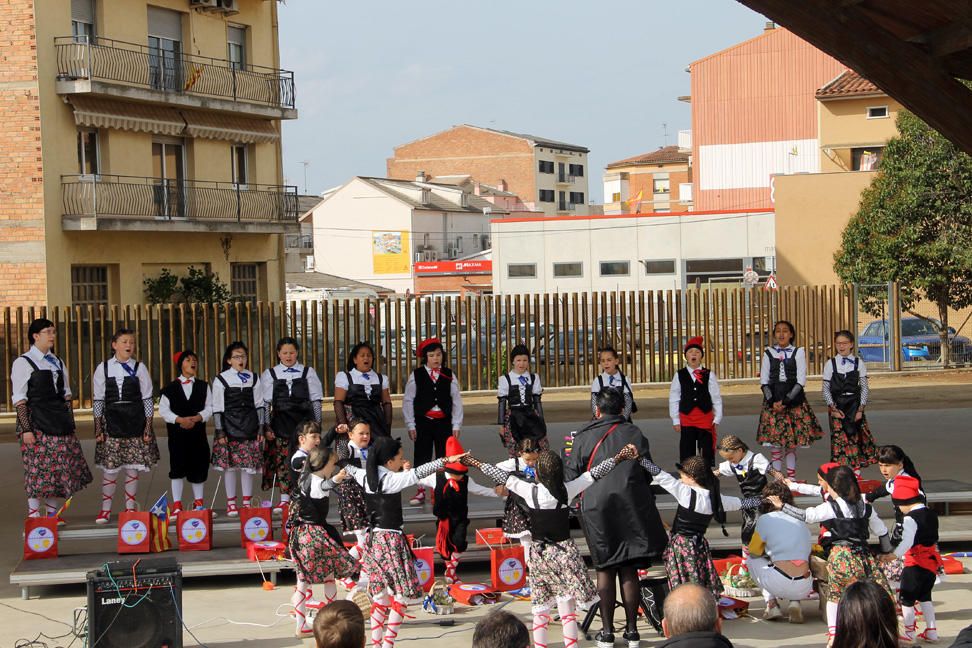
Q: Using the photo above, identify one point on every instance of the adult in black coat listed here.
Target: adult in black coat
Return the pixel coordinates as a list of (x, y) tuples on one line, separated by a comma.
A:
[(618, 513)]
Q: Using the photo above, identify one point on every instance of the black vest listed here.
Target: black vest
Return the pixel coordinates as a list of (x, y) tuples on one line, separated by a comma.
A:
[(240, 419), (290, 407), (753, 483), (781, 389), (519, 398), (689, 522), (549, 525), (124, 414), (694, 394), (385, 509), (181, 406), (450, 503), (850, 530), (927, 521), (313, 510), (428, 394), (845, 389), (49, 412)]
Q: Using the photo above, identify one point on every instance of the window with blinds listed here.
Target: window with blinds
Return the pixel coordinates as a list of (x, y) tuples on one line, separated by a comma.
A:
[(89, 285), (245, 281), (82, 20)]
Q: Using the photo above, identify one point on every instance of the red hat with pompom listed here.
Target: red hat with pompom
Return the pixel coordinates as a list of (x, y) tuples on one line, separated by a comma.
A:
[(179, 356), (425, 344), (453, 448), (907, 490), (826, 468), (694, 343)]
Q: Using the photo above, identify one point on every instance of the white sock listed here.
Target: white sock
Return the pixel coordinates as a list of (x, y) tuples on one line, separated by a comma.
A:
[(330, 591), (791, 462), (568, 619), (246, 481), (177, 490), (229, 480), (776, 457), (33, 507), (526, 541), (831, 618), (541, 619), (768, 598), (299, 599), (928, 611), (131, 489), (109, 482), (908, 612), (197, 491), (379, 616)]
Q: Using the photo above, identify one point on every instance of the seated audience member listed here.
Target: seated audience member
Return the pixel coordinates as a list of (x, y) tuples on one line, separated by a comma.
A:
[(500, 629), (964, 640), (692, 619), (866, 618), (339, 625)]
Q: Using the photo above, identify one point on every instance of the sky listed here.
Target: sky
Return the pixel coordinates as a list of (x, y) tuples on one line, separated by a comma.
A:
[(604, 74)]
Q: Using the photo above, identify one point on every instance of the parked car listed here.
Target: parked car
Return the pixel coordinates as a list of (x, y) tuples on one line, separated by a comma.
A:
[(920, 341)]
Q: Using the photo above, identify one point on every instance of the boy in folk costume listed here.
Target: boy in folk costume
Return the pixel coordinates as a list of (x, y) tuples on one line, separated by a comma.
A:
[(186, 404), (431, 407), (54, 465), (451, 490), (695, 405), (519, 393), (123, 409)]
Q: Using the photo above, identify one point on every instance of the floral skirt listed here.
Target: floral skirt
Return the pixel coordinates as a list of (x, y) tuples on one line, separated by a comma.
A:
[(390, 564), (892, 570), (318, 556), (848, 564), (516, 524), (794, 427), (54, 466), (556, 572), (276, 463), (351, 503), (857, 452), (689, 560), (238, 453), (131, 453)]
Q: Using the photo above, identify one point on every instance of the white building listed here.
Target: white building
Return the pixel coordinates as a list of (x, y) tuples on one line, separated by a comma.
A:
[(629, 252), (374, 230)]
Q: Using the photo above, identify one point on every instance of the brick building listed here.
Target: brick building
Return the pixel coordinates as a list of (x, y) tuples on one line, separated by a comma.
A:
[(550, 176), (654, 182)]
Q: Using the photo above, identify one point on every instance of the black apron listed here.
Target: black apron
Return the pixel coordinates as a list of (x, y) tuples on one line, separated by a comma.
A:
[(845, 389), (240, 419), (49, 412), (124, 414), (525, 422), (290, 407), (751, 484), (367, 408)]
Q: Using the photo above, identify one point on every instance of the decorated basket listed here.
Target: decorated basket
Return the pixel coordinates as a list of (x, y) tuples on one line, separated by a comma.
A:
[(738, 583)]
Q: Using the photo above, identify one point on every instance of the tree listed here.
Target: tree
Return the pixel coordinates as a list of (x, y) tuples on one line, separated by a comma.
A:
[(161, 289), (196, 287), (914, 225)]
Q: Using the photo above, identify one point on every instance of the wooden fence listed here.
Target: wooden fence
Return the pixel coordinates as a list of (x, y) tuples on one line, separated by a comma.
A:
[(563, 332)]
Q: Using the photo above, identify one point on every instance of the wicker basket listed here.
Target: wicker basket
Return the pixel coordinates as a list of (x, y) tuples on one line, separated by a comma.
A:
[(735, 590)]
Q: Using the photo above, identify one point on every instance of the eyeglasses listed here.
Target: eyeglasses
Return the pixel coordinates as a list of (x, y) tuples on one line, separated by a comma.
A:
[(237, 356)]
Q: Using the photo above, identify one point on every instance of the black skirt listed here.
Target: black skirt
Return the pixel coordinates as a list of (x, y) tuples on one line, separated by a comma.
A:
[(188, 454)]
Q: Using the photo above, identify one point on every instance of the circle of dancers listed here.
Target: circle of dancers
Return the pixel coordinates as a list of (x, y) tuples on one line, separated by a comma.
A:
[(270, 425)]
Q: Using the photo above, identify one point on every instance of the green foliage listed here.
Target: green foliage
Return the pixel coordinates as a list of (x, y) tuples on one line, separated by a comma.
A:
[(196, 287), (161, 289)]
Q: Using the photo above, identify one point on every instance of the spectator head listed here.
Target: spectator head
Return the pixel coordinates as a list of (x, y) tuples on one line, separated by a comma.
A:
[(690, 608), (339, 625), (500, 629), (778, 488), (609, 402), (866, 618)]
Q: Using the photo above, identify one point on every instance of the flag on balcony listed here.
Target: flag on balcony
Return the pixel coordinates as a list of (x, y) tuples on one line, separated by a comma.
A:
[(636, 201), (160, 524), (193, 77)]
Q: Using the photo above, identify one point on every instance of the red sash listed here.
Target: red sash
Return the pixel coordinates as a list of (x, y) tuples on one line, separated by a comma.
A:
[(923, 556)]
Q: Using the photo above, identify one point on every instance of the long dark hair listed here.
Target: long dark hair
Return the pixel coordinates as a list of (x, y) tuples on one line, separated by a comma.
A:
[(696, 468), (382, 450), (233, 346), (550, 473), (844, 482), (316, 459), (354, 353), (866, 618), (892, 454)]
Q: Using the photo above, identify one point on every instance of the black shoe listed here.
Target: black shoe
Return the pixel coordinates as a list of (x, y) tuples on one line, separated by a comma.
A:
[(633, 638), (604, 639)]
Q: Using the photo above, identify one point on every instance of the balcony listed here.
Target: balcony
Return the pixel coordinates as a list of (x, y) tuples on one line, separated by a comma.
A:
[(565, 178), (111, 202), (110, 68)]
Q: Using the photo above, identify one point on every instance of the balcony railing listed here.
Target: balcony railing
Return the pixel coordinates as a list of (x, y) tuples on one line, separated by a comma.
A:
[(92, 196), (103, 59)]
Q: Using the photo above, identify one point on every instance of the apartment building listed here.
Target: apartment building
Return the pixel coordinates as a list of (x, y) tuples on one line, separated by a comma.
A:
[(549, 176), (659, 181), (140, 136)]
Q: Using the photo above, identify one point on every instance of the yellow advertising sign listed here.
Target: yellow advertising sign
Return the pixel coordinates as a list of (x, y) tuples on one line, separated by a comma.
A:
[(389, 252)]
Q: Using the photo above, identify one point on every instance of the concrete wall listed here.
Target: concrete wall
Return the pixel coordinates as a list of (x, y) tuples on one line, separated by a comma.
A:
[(844, 125)]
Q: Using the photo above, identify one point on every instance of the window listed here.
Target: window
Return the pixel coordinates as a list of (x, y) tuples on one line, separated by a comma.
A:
[(521, 270), (572, 269), (577, 197), (240, 168), (866, 158), (546, 195), (659, 267), (660, 185), (563, 201), (82, 20), (577, 170), (561, 172), (616, 196), (546, 166), (705, 271), (615, 268), (236, 47), (165, 48), (244, 281), (168, 166), (88, 152), (89, 285), (877, 112)]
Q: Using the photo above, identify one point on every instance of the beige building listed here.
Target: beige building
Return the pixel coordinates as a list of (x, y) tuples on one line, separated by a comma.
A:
[(856, 119), (659, 181), (141, 135)]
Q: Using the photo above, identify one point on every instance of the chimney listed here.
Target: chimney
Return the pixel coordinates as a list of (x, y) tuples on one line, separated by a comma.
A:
[(769, 26), (501, 185), (420, 176)]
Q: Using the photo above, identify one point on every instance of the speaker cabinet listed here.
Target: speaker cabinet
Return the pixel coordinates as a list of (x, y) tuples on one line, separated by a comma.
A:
[(135, 604)]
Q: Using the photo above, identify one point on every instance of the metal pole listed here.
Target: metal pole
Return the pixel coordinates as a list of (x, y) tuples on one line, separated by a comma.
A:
[(894, 324)]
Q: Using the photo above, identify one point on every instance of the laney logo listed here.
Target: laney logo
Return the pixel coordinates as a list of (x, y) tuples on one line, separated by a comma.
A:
[(112, 601)]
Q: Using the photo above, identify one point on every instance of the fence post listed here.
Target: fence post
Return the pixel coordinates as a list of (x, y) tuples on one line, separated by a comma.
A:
[(894, 325)]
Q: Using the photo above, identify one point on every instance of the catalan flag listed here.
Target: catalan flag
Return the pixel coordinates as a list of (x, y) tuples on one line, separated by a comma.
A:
[(636, 201), (159, 522)]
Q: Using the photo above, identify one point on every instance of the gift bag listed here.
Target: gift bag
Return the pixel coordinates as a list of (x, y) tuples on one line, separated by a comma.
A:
[(134, 532), (40, 538), (473, 593), (195, 530), (490, 536), (732, 608), (425, 566), (507, 567), (255, 525)]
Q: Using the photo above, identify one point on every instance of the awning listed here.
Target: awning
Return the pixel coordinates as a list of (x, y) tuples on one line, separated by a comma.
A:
[(219, 126), (144, 118)]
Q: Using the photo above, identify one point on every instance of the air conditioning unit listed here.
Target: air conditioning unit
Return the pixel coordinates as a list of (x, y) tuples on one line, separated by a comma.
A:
[(227, 7), (202, 4), (430, 255)]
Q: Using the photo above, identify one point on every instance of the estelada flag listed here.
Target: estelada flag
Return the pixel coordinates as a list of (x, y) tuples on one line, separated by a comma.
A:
[(159, 521)]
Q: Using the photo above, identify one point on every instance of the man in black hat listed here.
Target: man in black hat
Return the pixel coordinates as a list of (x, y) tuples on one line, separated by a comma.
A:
[(620, 520)]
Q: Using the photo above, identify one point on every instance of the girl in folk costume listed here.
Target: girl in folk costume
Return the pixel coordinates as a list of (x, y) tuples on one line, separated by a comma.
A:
[(353, 451), (919, 550), (787, 421), (364, 391), (451, 490), (388, 558), (239, 412), (54, 465), (516, 520), (431, 407), (688, 558), (749, 468), (695, 405), (292, 394), (520, 410), (819, 490), (123, 409), (315, 546), (845, 392), (611, 377), (851, 519), (185, 405), (557, 573)]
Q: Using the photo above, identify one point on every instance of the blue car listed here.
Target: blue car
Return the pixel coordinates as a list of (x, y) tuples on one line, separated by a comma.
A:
[(920, 341)]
